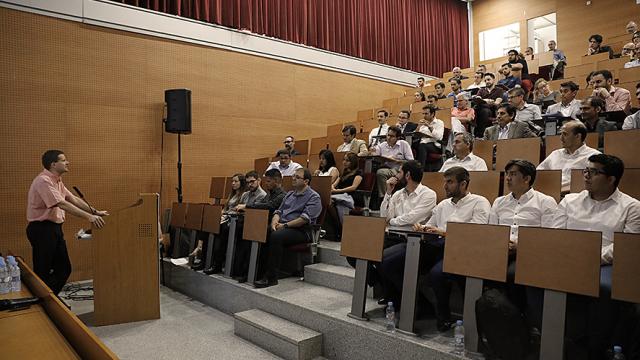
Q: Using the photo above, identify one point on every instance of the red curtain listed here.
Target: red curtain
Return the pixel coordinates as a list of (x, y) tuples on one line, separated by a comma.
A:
[(427, 36)]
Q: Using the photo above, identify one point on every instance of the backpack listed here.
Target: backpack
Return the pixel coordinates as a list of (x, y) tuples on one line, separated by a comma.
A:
[(502, 329)]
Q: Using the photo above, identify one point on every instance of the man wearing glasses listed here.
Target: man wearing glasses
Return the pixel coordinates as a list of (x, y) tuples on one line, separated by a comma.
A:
[(525, 112), (289, 144), (395, 152)]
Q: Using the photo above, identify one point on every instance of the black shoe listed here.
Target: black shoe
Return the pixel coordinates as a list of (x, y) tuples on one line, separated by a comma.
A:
[(382, 301), (240, 279), (444, 325), (198, 265), (215, 269), (265, 283)]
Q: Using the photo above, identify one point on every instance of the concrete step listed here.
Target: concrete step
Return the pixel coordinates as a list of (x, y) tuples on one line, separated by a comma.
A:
[(332, 276), (281, 337), (329, 253)]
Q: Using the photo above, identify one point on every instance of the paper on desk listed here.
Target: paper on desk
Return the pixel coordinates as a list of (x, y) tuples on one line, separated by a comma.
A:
[(180, 261)]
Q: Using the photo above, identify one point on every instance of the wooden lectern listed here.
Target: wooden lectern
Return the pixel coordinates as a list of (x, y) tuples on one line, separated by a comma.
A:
[(125, 276)]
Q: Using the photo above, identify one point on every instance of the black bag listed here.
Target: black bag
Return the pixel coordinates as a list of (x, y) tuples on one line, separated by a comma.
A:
[(502, 329)]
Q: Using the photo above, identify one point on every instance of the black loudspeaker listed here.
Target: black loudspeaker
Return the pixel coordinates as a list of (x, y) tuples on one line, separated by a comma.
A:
[(178, 111)]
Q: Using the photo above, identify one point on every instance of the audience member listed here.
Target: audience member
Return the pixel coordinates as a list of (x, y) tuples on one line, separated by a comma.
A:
[(351, 144), (462, 112), (596, 47), (573, 154), (589, 80), (568, 106), (291, 224), (542, 94), (406, 126), (628, 50), (615, 98), (272, 185), (559, 61), (343, 190), (327, 165), (421, 84), (254, 192), (636, 38), (590, 109), (482, 68), (507, 127), (456, 88), (459, 206), (432, 100), (463, 155), (635, 58), (440, 91), (238, 187), (395, 151), (524, 112), (418, 96), (633, 121), (431, 131), (457, 73), (631, 27), (286, 166), (528, 53), (410, 205), (518, 63), (376, 134), (289, 144), (509, 80), (491, 96), (478, 81)]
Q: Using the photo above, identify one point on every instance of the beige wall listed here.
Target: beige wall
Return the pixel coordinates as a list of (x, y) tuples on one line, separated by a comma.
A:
[(575, 20), (98, 95)]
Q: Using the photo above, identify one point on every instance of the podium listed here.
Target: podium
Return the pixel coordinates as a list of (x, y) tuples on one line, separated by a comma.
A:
[(125, 276)]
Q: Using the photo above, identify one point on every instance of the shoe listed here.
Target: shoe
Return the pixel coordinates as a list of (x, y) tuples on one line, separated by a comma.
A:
[(383, 301), (198, 266), (444, 325), (240, 279), (263, 283), (215, 269)]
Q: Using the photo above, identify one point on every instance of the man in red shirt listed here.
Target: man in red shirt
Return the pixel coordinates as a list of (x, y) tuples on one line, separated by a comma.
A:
[(48, 201)]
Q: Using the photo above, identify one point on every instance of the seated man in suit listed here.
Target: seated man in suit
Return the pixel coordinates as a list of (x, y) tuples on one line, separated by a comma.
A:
[(568, 106), (462, 147), (600, 207), (286, 166), (410, 205), (507, 128), (291, 224), (459, 206), (380, 130), (591, 109), (573, 154), (396, 152), (406, 126), (524, 112), (615, 98), (351, 144)]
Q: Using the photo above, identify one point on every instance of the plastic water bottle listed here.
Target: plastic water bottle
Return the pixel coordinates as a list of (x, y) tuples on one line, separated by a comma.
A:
[(458, 338), (5, 283), (390, 323), (617, 353), (14, 271)]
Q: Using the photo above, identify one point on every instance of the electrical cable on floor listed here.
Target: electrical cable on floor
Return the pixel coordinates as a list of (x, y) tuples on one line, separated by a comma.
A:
[(78, 292)]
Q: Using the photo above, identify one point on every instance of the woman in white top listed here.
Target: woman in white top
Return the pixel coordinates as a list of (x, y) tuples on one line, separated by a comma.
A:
[(431, 130), (327, 165)]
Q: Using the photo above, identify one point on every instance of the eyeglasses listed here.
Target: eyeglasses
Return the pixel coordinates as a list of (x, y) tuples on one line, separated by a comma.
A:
[(593, 171)]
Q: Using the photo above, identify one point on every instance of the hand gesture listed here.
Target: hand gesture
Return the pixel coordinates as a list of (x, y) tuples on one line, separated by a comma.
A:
[(101, 212), (241, 207), (96, 221), (391, 184)]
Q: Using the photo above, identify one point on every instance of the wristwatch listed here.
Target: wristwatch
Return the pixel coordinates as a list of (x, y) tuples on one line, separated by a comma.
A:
[(285, 225)]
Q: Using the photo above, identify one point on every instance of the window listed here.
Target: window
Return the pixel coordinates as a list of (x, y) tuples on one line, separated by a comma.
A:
[(497, 42), (540, 30)]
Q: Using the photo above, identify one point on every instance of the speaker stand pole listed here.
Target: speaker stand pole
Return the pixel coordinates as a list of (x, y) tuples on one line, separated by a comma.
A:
[(179, 188)]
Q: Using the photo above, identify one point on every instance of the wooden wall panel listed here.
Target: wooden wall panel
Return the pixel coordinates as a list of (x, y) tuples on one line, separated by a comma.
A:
[(576, 21), (98, 95)]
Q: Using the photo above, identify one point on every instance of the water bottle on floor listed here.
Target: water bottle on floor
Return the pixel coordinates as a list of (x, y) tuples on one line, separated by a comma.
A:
[(458, 338), (617, 353), (5, 283), (390, 323), (14, 271)]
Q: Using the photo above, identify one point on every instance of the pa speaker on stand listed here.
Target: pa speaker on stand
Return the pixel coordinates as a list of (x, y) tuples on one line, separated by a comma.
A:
[(178, 121)]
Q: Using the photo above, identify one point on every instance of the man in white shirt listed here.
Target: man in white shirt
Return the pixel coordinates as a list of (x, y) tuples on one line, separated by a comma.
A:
[(395, 151), (633, 121), (574, 152), (286, 166), (405, 207), (478, 81), (351, 144), (524, 112), (459, 206), (462, 147), (381, 130), (568, 105)]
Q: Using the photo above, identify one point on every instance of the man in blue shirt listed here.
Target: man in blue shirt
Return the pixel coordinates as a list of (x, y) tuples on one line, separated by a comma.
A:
[(509, 80), (291, 223)]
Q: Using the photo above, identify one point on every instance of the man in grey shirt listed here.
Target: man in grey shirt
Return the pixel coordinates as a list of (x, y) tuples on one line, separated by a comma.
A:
[(525, 112)]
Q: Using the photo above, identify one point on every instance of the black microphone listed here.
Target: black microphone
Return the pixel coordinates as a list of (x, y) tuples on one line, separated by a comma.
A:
[(93, 211)]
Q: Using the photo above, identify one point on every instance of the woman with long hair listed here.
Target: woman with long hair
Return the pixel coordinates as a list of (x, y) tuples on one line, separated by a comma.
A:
[(327, 165), (343, 190)]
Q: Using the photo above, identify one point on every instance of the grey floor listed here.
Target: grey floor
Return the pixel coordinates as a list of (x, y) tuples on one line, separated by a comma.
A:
[(186, 329)]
